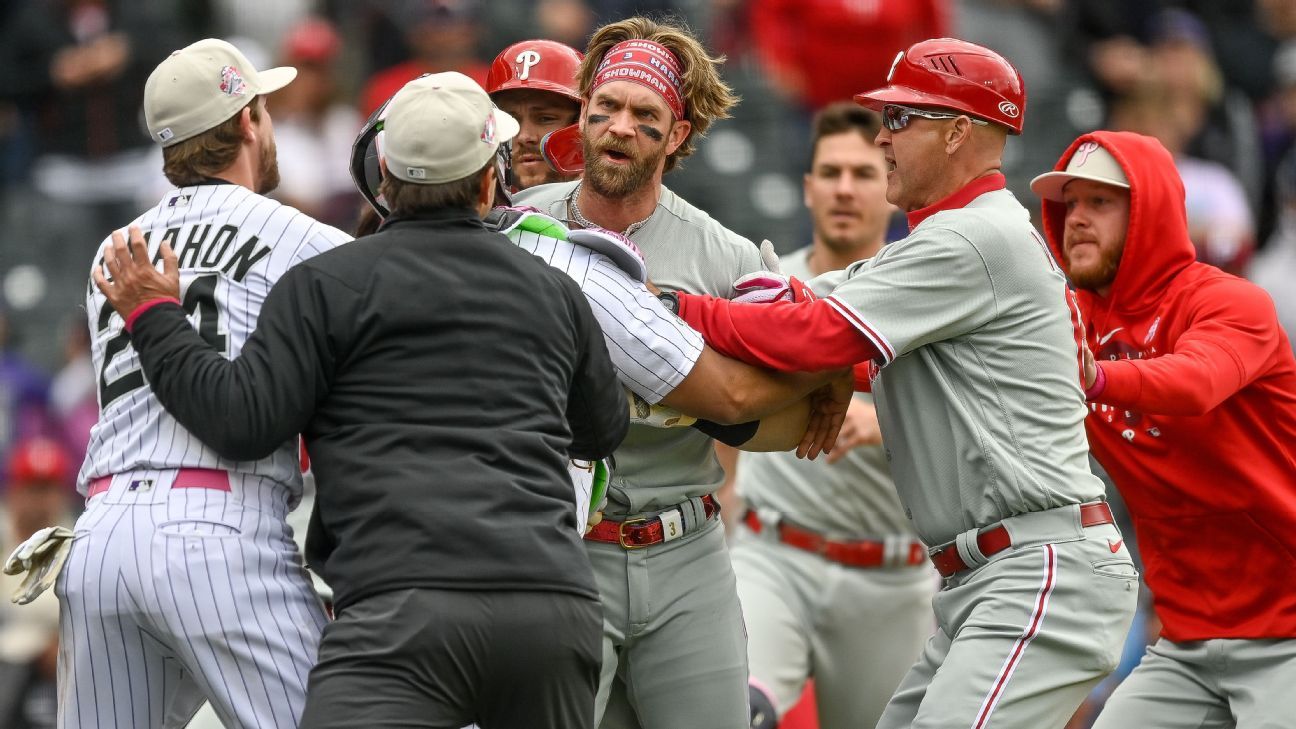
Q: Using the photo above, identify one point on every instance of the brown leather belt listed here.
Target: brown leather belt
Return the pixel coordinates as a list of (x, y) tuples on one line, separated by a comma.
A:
[(856, 553), (994, 540), (645, 532)]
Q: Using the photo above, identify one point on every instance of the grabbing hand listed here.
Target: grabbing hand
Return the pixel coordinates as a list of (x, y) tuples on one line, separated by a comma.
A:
[(860, 428), (135, 279), (828, 407)]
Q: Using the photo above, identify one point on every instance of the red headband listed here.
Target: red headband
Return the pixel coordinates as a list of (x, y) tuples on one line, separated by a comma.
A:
[(646, 64)]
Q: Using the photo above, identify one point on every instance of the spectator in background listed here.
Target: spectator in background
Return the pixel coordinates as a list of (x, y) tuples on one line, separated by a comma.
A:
[(73, 397), (442, 35), (1220, 119), (1219, 219), (819, 52), (24, 394), (313, 128), (77, 69), (37, 495), (1274, 268)]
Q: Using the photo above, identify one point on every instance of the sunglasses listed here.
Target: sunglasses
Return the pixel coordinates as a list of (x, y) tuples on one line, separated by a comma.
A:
[(896, 117)]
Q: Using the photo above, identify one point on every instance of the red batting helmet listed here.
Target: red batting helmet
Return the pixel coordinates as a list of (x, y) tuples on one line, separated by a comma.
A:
[(953, 74), (38, 460), (536, 64)]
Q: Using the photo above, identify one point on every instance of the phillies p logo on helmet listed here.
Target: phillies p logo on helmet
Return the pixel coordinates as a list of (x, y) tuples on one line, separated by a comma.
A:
[(526, 59)]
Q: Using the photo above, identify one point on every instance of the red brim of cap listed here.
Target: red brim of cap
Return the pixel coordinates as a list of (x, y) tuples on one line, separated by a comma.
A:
[(878, 98), (539, 85)]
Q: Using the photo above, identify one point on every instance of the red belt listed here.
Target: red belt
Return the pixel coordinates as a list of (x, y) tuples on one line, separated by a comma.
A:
[(186, 478), (637, 533), (861, 553), (996, 539)]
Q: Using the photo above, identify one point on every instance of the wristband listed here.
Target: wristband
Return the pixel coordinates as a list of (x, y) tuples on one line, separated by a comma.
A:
[(130, 320)]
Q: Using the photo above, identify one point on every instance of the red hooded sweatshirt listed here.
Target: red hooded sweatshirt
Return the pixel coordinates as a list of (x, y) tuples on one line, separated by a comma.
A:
[(1196, 423)]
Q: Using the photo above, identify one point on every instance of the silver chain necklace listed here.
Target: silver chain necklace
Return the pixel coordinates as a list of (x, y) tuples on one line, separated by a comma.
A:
[(583, 222)]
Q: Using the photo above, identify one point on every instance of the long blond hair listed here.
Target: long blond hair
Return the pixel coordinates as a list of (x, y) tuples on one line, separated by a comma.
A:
[(707, 98)]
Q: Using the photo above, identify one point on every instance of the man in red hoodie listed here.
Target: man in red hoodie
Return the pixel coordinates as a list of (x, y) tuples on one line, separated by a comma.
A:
[(1192, 411)]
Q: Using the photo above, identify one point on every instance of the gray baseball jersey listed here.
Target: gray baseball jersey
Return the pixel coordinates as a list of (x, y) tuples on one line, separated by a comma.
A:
[(672, 625), (855, 630), (172, 596), (980, 400), (982, 415)]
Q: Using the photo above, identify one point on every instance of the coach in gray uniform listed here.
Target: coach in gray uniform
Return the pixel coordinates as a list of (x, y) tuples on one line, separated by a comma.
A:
[(973, 354), (833, 581), (674, 647), (442, 378)]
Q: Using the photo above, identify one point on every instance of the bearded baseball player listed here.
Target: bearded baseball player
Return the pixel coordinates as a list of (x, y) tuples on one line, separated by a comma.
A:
[(833, 581), (183, 583), (1193, 413), (674, 648), (973, 356)]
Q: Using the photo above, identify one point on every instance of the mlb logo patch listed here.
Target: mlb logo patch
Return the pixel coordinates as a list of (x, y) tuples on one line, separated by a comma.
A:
[(165, 134), (232, 83), (417, 173), (488, 130), (143, 484)]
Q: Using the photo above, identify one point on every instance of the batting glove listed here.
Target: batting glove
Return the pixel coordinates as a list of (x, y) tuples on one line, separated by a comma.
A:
[(41, 557)]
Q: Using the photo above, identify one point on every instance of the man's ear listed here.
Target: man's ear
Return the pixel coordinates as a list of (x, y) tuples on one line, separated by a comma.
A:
[(247, 127), (678, 133), (959, 133)]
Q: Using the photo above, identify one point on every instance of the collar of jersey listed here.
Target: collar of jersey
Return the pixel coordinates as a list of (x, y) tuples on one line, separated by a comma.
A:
[(960, 198)]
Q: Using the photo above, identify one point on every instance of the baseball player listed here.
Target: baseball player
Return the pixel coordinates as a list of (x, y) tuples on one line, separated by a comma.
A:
[(535, 81), (972, 352), (833, 581), (674, 649), (1192, 410), (183, 582)]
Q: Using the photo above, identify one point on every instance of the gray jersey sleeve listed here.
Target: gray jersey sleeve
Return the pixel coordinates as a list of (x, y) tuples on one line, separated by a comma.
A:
[(924, 289)]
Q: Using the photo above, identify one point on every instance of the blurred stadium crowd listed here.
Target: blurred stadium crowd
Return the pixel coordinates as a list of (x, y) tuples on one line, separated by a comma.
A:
[(1214, 82)]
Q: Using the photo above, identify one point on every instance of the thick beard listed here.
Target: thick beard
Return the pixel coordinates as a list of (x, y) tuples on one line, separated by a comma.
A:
[(269, 169), (1098, 276), (613, 181)]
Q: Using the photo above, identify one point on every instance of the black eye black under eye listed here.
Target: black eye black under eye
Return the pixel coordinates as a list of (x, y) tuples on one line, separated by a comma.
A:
[(598, 118)]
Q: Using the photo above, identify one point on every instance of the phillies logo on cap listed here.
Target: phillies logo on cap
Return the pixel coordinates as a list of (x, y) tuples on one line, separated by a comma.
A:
[(232, 82), (527, 59), (1082, 153)]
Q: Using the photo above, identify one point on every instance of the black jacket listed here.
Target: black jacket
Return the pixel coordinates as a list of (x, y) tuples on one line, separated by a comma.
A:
[(441, 377)]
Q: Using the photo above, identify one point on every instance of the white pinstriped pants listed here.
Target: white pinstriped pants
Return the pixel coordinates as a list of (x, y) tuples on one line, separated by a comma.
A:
[(171, 598)]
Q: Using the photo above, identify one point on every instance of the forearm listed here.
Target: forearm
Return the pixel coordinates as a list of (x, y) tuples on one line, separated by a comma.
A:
[(1179, 384), (781, 431), (784, 336), (218, 400)]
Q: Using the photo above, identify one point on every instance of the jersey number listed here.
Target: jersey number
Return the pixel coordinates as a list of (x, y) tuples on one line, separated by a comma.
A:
[(199, 300)]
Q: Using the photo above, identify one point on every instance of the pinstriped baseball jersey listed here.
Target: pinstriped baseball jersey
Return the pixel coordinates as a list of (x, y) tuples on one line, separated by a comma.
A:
[(686, 250), (980, 401), (232, 245), (651, 348), (854, 497)]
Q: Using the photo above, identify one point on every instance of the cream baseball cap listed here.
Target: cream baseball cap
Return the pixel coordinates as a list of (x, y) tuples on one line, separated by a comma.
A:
[(1090, 162), (442, 127), (201, 85)]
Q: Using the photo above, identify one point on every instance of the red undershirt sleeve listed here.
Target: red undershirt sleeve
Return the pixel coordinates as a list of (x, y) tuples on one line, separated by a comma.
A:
[(783, 335)]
